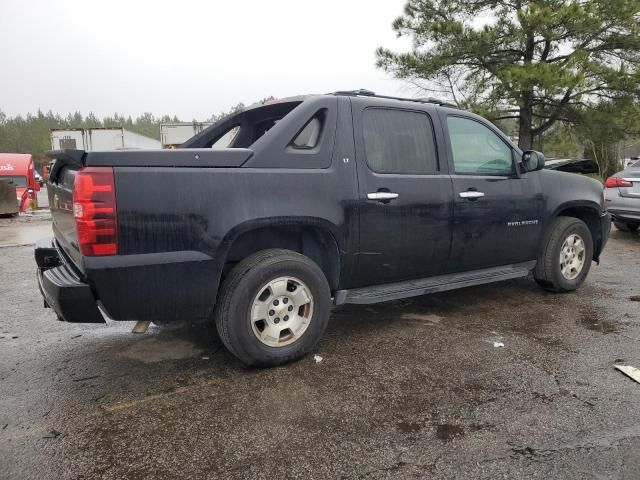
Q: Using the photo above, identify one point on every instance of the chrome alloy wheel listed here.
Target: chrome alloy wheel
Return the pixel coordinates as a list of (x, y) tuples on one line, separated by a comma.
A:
[(281, 311), (572, 256)]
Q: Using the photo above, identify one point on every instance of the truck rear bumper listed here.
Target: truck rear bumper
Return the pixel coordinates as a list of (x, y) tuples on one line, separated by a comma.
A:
[(62, 288)]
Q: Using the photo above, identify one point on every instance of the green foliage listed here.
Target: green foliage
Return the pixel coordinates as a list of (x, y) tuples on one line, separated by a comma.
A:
[(532, 60), (604, 127), (560, 141), (219, 116), (31, 133)]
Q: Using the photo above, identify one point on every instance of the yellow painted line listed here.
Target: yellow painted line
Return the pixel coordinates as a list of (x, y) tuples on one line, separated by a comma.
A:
[(118, 406)]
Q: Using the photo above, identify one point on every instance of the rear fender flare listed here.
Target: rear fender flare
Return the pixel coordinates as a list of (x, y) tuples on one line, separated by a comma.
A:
[(328, 229)]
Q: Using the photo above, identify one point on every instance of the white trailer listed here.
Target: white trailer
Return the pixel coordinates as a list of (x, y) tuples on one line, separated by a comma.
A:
[(90, 139), (174, 134)]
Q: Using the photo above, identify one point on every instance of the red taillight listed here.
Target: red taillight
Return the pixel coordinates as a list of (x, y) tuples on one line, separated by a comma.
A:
[(94, 209), (613, 182)]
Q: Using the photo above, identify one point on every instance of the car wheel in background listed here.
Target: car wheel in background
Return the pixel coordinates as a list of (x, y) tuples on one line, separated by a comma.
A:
[(565, 259), (273, 307)]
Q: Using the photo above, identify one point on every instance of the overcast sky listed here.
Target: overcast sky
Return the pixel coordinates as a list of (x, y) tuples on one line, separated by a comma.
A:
[(188, 57)]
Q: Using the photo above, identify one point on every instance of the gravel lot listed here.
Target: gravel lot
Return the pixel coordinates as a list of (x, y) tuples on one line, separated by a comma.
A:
[(406, 389)]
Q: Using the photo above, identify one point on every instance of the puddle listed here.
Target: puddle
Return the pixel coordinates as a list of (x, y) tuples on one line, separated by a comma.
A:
[(24, 234), (525, 451), (154, 350), (429, 319), (447, 432), (408, 427), (590, 321)]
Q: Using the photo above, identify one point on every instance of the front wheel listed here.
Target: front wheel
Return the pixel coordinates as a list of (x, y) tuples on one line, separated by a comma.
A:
[(565, 259), (273, 307)]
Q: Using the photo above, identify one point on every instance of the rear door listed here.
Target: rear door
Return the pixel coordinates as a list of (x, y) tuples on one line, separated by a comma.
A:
[(405, 194), (497, 210)]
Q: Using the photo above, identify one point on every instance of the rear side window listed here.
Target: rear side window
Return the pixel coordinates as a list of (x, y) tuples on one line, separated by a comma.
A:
[(399, 141), (309, 135)]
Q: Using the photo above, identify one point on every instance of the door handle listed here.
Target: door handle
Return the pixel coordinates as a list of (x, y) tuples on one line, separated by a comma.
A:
[(382, 196), (471, 194)]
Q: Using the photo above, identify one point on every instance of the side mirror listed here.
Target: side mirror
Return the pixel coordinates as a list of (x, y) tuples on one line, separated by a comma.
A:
[(533, 161)]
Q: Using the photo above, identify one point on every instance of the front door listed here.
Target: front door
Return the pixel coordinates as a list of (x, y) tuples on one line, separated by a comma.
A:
[(497, 209), (405, 193)]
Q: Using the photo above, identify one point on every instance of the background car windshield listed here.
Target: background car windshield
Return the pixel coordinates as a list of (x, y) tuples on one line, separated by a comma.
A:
[(20, 181)]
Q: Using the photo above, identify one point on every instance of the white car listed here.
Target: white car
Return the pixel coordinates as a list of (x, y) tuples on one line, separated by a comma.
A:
[(39, 178), (622, 195)]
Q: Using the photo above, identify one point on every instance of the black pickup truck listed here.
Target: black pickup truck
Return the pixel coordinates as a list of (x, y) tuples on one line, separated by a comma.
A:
[(266, 219)]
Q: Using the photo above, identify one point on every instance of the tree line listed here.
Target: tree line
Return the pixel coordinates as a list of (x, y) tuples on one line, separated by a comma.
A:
[(31, 133)]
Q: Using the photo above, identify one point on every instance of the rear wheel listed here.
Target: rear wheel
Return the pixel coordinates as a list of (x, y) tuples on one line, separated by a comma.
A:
[(566, 257), (273, 307), (627, 226)]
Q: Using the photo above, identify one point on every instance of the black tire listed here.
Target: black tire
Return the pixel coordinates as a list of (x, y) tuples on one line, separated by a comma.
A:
[(626, 226), (547, 272), (242, 285)]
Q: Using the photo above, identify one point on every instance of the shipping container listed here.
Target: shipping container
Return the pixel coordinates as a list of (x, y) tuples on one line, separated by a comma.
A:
[(174, 134), (90, 139)]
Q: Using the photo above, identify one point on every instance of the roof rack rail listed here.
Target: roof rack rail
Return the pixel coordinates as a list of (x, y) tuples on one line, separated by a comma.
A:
[(352, 93), (362, 92)]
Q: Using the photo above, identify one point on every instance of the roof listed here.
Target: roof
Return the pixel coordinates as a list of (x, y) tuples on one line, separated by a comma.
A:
[(362, 92), (17, 157), (83, 128), (368, 93), (14, 163)]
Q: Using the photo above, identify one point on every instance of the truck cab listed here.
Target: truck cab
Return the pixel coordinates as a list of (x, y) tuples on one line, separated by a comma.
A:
[(18, 169)]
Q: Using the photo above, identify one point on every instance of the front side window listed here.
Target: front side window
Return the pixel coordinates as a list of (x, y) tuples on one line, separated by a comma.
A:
[(399, 141), (477, 150)]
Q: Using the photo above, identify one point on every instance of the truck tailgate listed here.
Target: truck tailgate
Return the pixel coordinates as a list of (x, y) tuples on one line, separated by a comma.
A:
[(60, 192)]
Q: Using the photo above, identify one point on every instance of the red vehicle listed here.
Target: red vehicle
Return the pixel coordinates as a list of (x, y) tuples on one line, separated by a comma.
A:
[(18, 167)]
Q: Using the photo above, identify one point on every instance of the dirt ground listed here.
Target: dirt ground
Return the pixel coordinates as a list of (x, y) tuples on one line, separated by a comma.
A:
[(407, 389)]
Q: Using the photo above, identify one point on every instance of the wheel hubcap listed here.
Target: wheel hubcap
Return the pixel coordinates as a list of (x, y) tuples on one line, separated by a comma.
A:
[(281, 311), (572, 256)]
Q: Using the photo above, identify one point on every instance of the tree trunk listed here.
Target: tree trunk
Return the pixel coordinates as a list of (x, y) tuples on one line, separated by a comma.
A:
[(525, 133)]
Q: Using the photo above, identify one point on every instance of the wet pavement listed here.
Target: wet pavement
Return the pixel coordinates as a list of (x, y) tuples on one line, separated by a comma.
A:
[(406, 389), (42, 197), (21, 233)]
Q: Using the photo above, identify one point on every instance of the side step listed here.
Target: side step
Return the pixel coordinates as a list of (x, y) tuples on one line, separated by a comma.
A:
[(423, 286)]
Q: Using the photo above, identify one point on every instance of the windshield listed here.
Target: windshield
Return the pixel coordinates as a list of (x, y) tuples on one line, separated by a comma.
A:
[(18, 180)]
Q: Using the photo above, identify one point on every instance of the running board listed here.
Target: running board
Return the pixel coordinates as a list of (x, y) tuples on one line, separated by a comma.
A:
[(423, 286)]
